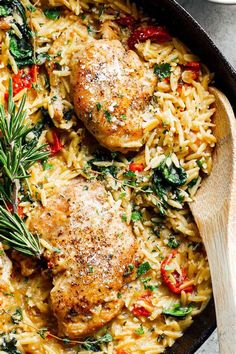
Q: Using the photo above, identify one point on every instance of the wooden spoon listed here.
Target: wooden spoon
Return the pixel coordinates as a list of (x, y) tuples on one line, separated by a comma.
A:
[(214, 211)]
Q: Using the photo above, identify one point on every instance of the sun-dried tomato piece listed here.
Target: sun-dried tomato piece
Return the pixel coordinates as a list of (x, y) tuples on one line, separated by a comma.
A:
[(140, 311), (157, 34)]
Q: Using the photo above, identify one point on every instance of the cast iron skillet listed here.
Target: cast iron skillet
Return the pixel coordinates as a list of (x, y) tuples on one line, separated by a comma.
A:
[(183, 26)]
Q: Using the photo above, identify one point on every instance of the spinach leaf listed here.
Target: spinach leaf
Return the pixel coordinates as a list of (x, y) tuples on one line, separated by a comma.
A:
[(192, 183), (21, 50), (31, 139), (178, 311), (162, 70), (53, 13), (12, 5), (4, 11), (175, 176), (166, 177), (9, 344)]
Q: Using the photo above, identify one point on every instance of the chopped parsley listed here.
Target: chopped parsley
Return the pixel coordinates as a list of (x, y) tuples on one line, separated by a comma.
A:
[(139, 330), (47, 166), (146, 280), (131, 267), (173, 242), (151, 287), (136, 216), (162, 71), (129, 174), (99, 106), (143, 269), (90, 268), (107, 116), (124, 217), (89, 29)]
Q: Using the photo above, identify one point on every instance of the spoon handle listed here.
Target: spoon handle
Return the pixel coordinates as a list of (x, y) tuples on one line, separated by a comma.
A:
[(222, 260), (214, 210)]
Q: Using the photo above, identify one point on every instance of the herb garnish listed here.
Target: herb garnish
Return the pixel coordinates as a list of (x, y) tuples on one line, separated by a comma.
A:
[(162, 70), (136, 216), (173, 242), (94, 345), (166, 178), (16, 157), (9, 343), (20, 48), (139, 330), (178, 311), (53, 13), (107, 116), (143, 269), (17, 316)]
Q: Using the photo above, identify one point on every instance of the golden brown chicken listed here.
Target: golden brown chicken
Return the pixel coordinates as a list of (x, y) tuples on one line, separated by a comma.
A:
[(95, 249), (111, 90)]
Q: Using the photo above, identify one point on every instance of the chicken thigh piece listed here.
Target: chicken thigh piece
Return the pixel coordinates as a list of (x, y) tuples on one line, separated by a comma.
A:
[(111, 90), (93, 250)]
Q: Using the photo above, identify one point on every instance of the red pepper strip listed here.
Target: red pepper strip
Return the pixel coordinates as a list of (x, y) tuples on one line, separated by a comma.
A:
[(179, 279), (157, 34), (56, 146), (140, 311), (134, 166), (19, 209), (127, 21)]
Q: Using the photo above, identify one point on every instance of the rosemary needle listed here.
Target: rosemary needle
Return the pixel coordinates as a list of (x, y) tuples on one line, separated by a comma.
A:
[(15, 234), (16, 157)]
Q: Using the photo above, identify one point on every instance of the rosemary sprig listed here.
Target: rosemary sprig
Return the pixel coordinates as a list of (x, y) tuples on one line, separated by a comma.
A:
[(15, 234), (16, 157)]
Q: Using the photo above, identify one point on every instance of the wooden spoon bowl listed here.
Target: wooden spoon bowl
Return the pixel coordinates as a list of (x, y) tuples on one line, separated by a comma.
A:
[(214, 210)]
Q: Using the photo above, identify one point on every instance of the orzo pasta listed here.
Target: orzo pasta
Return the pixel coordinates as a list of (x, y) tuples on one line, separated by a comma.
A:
[(168, 283)]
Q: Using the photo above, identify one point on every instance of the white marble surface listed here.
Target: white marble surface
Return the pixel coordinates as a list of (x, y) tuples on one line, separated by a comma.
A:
[(220, 23)]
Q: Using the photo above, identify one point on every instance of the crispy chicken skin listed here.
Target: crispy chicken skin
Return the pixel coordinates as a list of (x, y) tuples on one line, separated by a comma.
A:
[(111, 88), (96, 247)]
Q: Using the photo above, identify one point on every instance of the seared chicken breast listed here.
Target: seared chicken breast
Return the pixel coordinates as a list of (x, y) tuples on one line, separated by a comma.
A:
[(111, 89), (90, 258)]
